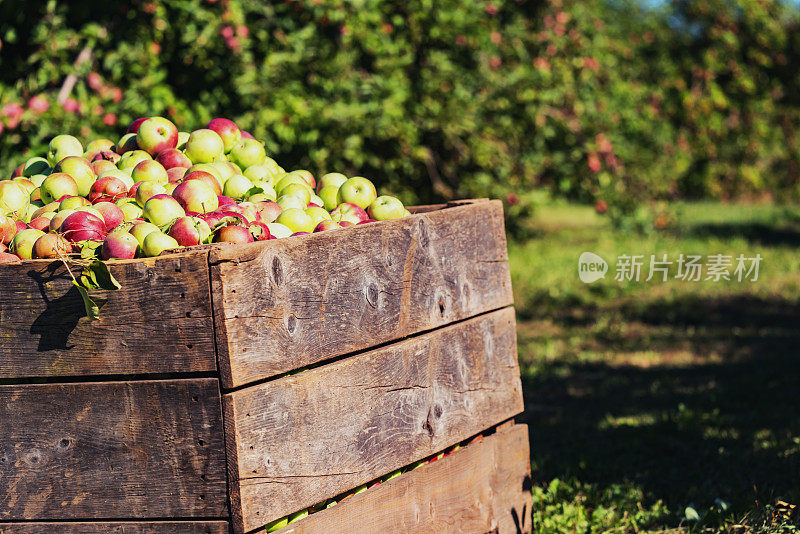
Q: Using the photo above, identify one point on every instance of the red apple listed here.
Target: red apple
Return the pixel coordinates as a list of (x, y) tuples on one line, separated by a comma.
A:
[(7, 229), (225, 201), (367, 221), (175, 175), (6, 257), (109, 186), (101, 166), (134, 127), (324, 226), (247, 135), (190, 231), (227, 130), (51, 246), (347, 212), (172, 157), (40, 223), (233, 234), (196, 195), (112, 214), (268, 210), (83, 225), (259, 231), (119, 245), (18, 171), (345, 224), (106, 155)]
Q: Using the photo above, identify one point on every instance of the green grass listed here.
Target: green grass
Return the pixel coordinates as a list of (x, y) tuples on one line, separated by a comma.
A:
[(646, 398)]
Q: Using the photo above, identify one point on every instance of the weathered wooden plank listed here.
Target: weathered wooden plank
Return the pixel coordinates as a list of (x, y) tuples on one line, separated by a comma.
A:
[(484, 487), (118, 527), (159, 322), (283, 304), (298, 440), (137, 450)]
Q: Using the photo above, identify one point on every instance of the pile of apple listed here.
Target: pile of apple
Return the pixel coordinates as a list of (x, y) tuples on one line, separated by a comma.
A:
[(159, 189)]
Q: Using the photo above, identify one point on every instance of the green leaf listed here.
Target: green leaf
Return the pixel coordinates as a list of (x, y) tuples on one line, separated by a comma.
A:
[(90, 249), (255, 190), (691, 514), (92, 309), (97, 276)]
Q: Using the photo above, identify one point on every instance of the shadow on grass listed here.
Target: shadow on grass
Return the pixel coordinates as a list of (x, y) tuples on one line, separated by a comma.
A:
[(754, 232), (691, 433)]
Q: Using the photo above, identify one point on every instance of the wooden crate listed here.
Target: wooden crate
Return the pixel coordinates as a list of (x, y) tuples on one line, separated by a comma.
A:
[(182, 409)]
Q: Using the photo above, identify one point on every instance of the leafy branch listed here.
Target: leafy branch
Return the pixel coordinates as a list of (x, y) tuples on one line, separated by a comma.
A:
[(94, 275)]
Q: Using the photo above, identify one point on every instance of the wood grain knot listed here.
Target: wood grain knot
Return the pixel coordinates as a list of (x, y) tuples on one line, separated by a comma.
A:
[(277, 271), (372, 294), (424, 238), (291, 324)]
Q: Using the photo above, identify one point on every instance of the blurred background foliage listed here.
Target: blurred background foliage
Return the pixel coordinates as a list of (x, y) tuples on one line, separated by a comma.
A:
[(627, 103)]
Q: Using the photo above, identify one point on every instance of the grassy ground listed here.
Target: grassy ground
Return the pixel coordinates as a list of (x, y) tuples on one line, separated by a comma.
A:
[(654, 403)]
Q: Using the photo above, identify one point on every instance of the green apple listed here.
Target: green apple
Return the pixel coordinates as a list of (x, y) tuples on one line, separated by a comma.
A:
[(248, 152), (130, 210), (29, 211), (98, 145), (26, 184), (296, 220), (127, 143), (357, 190), (58, 218), (157, 242), (162, 210), (331, 179), (226, 169), (385, 207), (318, 215), (237, 186), (268, 194), (292, 202), (297, 516), (316, 201), (277, 524), (22, 244), (73, 203), (147, 190), (62, 146), (37, 179), (80, 170), (329, 196), (35, 165), (279, 230), (131, 159), (56, 186), (204, 146), (182, 138), (300, 190), (141, 230), (286, 180)]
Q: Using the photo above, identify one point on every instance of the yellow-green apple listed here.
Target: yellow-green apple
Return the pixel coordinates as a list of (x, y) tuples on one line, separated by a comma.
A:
[(120, 245), (386, 207), (149, 170), (14, 200), (211, 169), (285, 180), (162, 210), (225, 169), (326, 225), (147, 190), (348, 212), (206, 177), (99, 145), (130, 209), (248, 152), (62, 146), (58, 219), (127, 143), (107, 186), (169, 187), (190, 231), (329, 196), (80, 170), (296, 220), (228, 132), (131, 159), (237, 187), (306, 176), (332, 179), (261, 172), (233, 234), (140, 230), (82, 226), (316, 201), (35, 165), (292, 202), (22, 244), (51, 246), (318, 215), (112, 214), (357, 190), (175, 174), (173, 157), (268, 193), (297, 516), (52, 207), (73, 203), (278, 230), (196, 196), (182, 138), (134, 127), (157, 242), (29, 211), (157, 134), (26, 184), (37, 179), (204, 146), (300, 190), (277, 524), (56, 186)]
